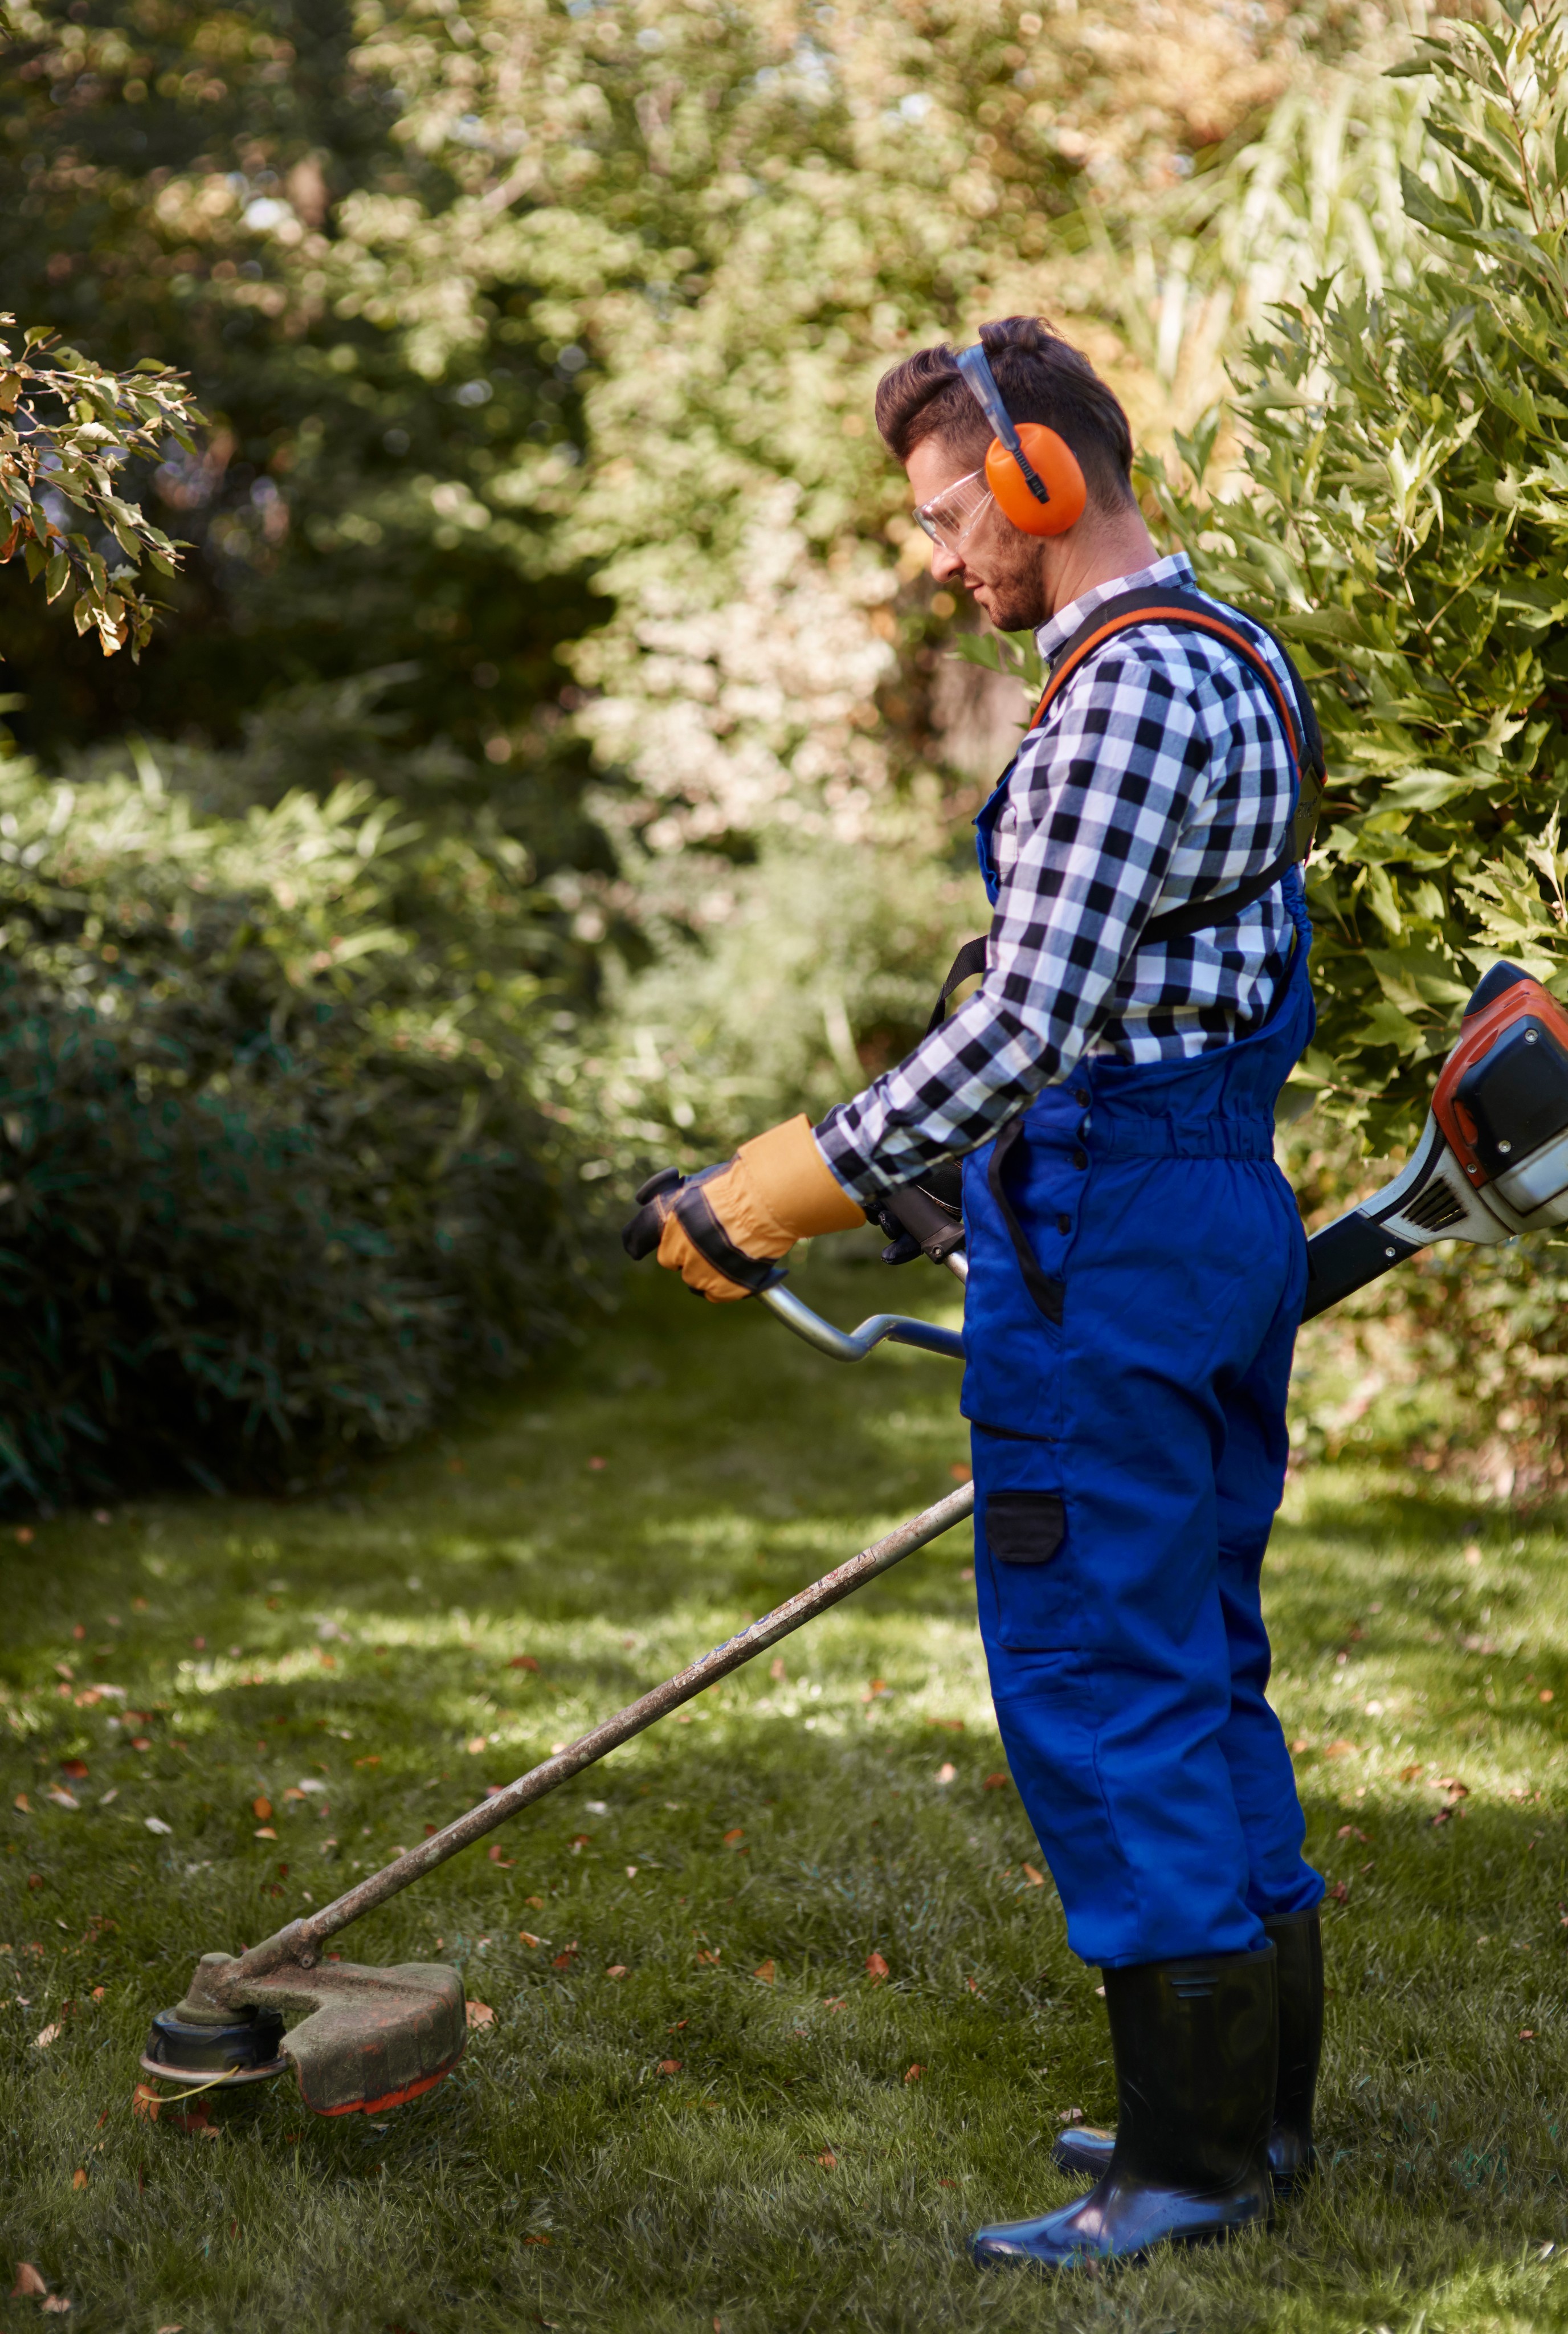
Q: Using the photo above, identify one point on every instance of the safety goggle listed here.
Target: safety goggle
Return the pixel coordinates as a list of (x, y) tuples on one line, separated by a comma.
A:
[(949, 517)]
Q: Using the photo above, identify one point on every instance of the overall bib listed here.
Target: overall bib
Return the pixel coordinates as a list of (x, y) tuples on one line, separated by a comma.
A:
[(1137, 1269)]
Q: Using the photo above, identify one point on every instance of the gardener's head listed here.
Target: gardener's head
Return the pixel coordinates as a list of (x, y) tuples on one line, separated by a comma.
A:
[(931, 420)]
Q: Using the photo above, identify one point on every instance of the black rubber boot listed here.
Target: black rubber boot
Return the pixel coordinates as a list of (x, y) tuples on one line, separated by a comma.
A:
[(1195, 2050), (1297, 1941)]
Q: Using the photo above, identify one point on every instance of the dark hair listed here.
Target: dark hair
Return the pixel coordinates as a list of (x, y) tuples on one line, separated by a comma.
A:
[(1042, 378)]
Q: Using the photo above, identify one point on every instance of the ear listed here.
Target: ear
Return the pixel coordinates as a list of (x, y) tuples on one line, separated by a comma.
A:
[(1054, 464)]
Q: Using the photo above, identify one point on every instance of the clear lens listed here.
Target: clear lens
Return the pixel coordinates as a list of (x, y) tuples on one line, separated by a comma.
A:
[(949, 516)]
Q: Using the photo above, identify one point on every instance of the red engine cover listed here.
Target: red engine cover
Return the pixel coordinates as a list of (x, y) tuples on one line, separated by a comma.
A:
[(1522, 1000)]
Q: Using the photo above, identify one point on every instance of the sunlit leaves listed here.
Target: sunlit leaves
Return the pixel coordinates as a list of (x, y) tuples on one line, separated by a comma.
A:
[(71, 429)]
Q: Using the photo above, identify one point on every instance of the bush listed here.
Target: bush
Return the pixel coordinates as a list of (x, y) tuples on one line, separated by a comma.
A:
[(276, 1175), (1404, 524)]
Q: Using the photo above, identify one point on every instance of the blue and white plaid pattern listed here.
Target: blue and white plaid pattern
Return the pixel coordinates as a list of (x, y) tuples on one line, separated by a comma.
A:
[(1160, 775)]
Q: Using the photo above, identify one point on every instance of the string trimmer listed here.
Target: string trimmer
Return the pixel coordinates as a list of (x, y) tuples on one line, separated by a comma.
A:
[(1493, 1161)]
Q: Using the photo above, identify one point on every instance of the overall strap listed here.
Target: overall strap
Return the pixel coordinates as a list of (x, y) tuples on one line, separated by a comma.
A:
[(1171, 605)]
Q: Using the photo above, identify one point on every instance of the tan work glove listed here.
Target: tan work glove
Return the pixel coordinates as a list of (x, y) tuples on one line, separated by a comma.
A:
[(724, 1229)]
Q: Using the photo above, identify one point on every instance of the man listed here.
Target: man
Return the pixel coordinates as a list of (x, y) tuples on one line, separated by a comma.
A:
[(1136, 1274)]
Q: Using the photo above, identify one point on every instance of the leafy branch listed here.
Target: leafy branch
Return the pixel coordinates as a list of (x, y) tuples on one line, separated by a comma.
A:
[(67, 428)]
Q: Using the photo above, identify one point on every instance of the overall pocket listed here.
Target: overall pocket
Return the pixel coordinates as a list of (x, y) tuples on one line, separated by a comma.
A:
[(1029, 1600)]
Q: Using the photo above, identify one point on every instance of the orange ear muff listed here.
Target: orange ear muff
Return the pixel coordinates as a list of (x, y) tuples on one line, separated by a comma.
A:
[(1054, 464)]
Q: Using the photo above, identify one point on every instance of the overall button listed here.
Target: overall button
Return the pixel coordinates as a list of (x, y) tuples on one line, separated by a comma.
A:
[(1081, 1158), (1063, 1223)]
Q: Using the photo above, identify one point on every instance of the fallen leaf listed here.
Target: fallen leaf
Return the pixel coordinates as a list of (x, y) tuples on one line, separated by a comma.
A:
[(141, 1743), (730, 1837), (1036, 1880), (833, 2001), (703, 1954), (536, 2238), (75, 1768), (265, 1831), (632, 1872), (1338, 1749), (521, 1661), (474, 1745), (946, 1772), (669, 2066), (536, 1902), (99, 1992), (995, 1782), (480, 2014), (50, 2034), (294, 1792), (1526, 2034), (55, 2305), (524, 1938), (373, 1759), (777, 1670), (1349, 1831), (578, 1841), (618, 1969), (20, 1804), (765, 1970), (1339, 1891), (507, 1862), (597, 1466), (29, 2285), (24, 1534), (79, 2178), (262, 1809), (877, 1686), (960, 1471), (1452, 1785), (62, 1798), (916, 2071), (145, 2101), (1546, 1694), (876, 1968), (828, 2160), (157, 1824), (565, 1957)]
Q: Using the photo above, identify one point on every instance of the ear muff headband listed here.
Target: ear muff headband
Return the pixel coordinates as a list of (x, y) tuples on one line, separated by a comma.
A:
[(1032, 473)]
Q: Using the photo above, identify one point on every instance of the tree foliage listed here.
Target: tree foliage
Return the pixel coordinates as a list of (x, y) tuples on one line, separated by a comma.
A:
[(68, 428), (1403, 519)]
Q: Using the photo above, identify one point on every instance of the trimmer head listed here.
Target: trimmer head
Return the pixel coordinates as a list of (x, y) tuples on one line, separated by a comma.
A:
[(369, 2039)]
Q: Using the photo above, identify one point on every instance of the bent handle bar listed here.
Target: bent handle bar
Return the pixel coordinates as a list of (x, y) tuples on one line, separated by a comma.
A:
[(941, 1236)]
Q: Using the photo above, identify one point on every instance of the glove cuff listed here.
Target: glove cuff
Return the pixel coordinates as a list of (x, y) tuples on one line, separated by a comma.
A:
[(783, 1190)]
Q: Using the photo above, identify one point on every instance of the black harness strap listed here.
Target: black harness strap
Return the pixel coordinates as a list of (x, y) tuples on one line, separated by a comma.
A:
[(1048, 1294), (1174, 606)]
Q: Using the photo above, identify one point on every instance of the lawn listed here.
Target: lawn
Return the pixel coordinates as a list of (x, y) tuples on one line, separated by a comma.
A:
[(700, 2103)]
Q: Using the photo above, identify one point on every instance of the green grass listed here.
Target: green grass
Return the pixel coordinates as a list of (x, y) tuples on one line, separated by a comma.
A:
[(363, 1642)]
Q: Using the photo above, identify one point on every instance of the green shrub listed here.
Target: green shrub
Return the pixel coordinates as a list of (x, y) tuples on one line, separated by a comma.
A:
[(1404, 523), (275, 1176)]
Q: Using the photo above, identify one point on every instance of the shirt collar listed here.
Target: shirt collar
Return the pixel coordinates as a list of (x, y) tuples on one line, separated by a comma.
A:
[(1052, 638)]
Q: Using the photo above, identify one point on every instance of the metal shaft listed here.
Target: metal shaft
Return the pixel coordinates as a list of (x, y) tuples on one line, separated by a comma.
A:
[(301, 1941)]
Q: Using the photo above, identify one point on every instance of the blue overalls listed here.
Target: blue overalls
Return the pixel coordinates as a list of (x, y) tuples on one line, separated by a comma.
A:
[(1137, 1267)]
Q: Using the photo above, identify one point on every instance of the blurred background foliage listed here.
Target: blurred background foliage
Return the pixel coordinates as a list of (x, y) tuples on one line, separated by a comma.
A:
[(541, 521)]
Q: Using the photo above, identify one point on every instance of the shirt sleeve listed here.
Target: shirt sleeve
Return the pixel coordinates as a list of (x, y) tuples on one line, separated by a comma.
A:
[(1102, 792)]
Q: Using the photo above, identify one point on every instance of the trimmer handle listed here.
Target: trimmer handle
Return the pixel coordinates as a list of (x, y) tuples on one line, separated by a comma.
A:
[(934, 1228)]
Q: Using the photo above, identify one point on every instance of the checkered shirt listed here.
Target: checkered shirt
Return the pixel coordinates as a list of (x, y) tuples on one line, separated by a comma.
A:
[(1159, 776)]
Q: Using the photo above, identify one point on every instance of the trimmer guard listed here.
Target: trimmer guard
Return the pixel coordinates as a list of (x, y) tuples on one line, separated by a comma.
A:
[(371, 2038)]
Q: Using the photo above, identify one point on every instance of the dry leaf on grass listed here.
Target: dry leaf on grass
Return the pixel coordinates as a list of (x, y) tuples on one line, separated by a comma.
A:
[(79, 2178), (1036, 1880), (21, 1804), (480, 2014), (157, 1824), (765, 1970), (507, 1862), (995, 1782), (29, 2285), (75, 1768), (827, 2159), (876, 1968), (526, 1937), (262, 1809), (50, 2034), (916, 2071), (564, 1958), (536, 2238), (55, 2305), (617, 1969), (731, 1838), (669, 2066), (146, 2101)]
